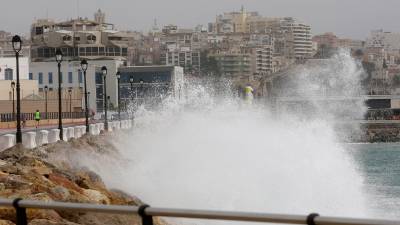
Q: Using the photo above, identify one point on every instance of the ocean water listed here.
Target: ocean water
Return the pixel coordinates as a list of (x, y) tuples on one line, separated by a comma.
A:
[(379, 165)]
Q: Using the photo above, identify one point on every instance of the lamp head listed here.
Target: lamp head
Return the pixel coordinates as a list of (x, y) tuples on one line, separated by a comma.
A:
[(59, 55), (84, 65), (104, 70), (16, 43)]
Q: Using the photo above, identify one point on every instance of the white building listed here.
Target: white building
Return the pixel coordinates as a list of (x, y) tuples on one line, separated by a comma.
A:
[(8, 69), (299, 34), (387, 40), (46, 73)]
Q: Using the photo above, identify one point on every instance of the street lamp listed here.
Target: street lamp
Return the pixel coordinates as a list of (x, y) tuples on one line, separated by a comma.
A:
[(17, 45), (13, 100), (104, 71), (70, 102), (84, 66), (119, 95), (46, 89), (59, 57), (131, 81), (141, 90)]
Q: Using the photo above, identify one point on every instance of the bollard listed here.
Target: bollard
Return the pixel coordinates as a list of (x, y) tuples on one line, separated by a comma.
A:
[(118, 125), (29, 140), (101, 126), (54, 135), (7, 141), (83, 130), (77, 132), (42, 137), (92, 129), (71, 133), (98, 127), (65, 134)]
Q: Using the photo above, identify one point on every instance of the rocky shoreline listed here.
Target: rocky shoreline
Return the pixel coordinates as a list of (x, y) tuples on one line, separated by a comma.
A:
[(38, 175)]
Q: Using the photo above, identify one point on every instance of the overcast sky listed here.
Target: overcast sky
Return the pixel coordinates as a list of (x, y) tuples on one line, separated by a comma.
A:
[(346, 18)]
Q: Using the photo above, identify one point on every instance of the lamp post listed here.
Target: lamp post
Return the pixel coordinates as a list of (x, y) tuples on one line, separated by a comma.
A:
[(131, 81), (84, 66), (104, 71), (119, 95), (59, 57), (17, 45), (70, 102), (88, 104), (141, 90), (46, 89), (13, 100)]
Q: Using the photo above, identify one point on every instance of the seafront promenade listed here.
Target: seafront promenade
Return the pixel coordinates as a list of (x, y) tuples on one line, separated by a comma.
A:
[(32, 137)]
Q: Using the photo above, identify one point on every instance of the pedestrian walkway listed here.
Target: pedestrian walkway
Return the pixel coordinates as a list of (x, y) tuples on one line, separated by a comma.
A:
[(45, 127)]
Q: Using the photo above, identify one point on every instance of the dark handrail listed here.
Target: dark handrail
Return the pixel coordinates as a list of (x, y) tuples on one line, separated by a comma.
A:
[(147, 212)]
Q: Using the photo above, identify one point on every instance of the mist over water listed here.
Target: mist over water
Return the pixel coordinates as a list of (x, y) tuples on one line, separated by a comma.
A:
[(211, 151)]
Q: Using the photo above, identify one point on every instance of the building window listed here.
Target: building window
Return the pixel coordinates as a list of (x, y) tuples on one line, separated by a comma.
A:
[(30, 76), (8, 74), (40, 78), (91, 38), (67, 38), (70, 77), (80, 77), (50, 77)]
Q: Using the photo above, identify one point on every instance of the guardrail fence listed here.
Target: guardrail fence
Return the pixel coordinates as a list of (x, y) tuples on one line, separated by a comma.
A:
[(147, 213), (8, 117)]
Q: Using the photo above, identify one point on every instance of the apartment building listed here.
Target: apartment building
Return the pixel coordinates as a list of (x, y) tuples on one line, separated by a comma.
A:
[(94, 40), (181, 47), (390, 41), (298, 37)]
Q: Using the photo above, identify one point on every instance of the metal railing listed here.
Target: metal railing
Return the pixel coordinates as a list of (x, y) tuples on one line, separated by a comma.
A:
[(9, 117), (147, 213)]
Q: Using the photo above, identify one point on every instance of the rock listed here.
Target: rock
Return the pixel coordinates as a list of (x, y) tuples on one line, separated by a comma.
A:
[(60, 180), (96, 196), (6, 222), (119, 197), (51, 173), (49, 222), (89, 180), (3, 163), (60, 193), (42, 170), (13, 181)]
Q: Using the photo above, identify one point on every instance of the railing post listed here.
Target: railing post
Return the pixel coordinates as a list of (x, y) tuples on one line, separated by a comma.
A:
[(20, 212), (311, 218), (146, 219)]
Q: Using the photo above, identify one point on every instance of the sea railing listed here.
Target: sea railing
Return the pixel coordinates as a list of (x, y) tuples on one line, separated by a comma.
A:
[(147, 213)]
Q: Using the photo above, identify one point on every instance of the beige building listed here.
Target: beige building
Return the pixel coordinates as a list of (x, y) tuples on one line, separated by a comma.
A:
[(28, 87)]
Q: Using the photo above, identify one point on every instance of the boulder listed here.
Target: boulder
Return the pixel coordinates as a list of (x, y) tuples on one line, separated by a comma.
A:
[(96, 196)]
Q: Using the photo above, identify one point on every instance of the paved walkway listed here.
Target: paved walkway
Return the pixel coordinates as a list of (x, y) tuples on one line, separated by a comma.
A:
[(47, 127)]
